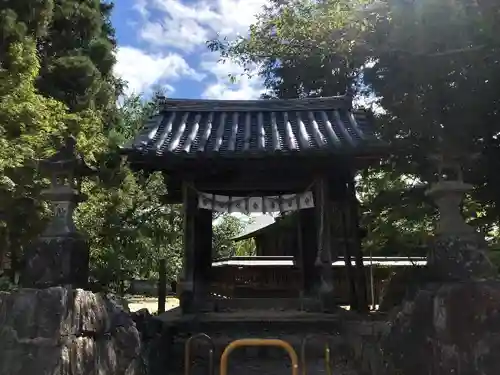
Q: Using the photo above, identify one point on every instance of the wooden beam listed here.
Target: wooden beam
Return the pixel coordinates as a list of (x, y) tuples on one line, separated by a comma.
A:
[(244, 179), (197, 164), (256, 184), (172, 198)]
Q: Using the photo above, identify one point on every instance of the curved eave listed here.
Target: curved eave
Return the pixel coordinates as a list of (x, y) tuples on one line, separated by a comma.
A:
[(342, 101), (165, 160)]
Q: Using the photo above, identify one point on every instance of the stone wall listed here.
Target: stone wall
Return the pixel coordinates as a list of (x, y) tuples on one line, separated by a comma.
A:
[(66, 331), (446, 329), (362, 340)]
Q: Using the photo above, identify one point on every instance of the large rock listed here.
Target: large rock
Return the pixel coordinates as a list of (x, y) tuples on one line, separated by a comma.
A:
[(449, 329), (402, 285), (66, 331)]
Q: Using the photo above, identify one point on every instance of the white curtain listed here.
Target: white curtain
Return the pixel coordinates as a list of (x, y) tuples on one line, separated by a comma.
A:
[(246, 205)]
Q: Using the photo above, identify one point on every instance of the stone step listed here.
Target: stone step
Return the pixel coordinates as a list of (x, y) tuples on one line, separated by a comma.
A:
[(252, 366), (260, 357), (315, 347), (292, 328), (265, 360), (280, 304), (249, 324)]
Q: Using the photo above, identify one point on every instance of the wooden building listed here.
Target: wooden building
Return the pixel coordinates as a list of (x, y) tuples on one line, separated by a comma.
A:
[(283, 237), (264, 155), (279, 276), (273, 271)]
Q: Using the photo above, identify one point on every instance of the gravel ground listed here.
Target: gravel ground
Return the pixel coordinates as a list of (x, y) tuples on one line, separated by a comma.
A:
[(151, 303)]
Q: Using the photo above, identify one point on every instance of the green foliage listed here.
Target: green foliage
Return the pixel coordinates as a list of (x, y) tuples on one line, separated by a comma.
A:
[(28, 121), (225, 228), (302, 48), (436, 75), (129, 228), (6, 285), (31, 125), (431, 65), (49, 88), (403, 228), (56, 62)]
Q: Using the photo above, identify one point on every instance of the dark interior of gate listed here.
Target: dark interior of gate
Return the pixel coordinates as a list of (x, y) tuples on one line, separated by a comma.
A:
[(296, 156), (275, 270)]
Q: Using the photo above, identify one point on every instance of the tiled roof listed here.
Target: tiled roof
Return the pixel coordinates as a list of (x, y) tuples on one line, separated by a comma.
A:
[(231, 128)]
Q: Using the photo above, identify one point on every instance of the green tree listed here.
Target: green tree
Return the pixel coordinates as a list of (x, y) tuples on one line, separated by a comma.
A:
[(436, 74), (303, 48), (135, 229), (225, 228), (420, 61), (30, 126), (56, 79), (403, 228), (130, 229), (73, 47)]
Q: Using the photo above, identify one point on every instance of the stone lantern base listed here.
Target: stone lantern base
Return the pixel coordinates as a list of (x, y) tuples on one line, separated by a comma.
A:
[(460, 258), (447, 328), (458, 252), (52, 261)]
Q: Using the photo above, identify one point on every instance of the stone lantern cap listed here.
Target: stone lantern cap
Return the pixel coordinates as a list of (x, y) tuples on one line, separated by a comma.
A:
[(66, 168), (450, 164)]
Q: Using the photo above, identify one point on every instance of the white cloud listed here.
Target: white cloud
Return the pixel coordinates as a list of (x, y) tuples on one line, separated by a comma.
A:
[(142, 70), (141, 7), (244, 90), (186, 26), (245, 87), (181, 34)]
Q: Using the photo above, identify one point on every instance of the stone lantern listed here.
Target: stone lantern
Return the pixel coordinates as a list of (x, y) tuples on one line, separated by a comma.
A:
[(60, 256), (458, 251)]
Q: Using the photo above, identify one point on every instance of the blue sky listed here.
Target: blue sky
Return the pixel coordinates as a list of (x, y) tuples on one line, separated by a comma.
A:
[(162, 43)]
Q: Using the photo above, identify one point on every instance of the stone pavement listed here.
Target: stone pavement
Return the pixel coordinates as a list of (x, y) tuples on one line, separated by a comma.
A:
[(240, 365)]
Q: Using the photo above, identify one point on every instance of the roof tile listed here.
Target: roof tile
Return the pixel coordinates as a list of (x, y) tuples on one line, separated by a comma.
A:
[(235, 128)]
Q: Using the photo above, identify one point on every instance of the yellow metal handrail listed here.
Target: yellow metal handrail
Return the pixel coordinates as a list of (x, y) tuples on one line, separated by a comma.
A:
[(303, 354), (259, 342), (187, 353)]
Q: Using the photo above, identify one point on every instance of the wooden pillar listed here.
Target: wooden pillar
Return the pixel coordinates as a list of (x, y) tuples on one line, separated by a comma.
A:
[(299, 251), (203, 251), (187, 296), (309, 248), (324, 256), (258, 245), (361, 284), (347, 253), (197, 253), (162, 285)]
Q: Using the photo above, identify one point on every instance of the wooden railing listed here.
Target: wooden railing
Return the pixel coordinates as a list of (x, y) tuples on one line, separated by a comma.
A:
[(261, 281), (256, 281)]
